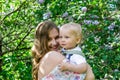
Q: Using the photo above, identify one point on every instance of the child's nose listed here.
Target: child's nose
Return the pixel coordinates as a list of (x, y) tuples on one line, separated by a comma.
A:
[(62, 39)]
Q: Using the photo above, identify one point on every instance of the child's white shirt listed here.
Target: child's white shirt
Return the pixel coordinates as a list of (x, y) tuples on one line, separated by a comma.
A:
[(76, 58)]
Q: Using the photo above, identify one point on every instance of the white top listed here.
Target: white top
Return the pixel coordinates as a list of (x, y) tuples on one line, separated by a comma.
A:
[(76, 58)]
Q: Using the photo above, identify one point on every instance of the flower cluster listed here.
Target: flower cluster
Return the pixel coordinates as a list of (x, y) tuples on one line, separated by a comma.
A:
[(47, 15), (94, 22), (111, 26), (84, 9), (65, 14), (40, 1)]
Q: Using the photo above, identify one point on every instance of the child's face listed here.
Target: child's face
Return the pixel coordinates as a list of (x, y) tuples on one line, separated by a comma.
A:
[(67, 39)]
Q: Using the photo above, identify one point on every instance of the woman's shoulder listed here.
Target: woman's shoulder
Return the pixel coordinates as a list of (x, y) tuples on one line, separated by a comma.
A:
[(54, 55)]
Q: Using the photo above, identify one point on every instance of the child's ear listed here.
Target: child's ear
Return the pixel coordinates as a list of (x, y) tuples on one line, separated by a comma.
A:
[(78, 40)]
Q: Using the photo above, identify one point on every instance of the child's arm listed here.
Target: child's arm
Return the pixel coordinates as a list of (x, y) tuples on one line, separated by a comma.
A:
[(79, 68)]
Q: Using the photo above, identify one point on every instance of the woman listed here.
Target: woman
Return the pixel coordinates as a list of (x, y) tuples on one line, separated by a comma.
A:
[(45, 51)]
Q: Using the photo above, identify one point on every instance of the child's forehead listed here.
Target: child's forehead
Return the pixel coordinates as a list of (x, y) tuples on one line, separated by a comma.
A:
[(69, 31), (66, 29), (70, 28)]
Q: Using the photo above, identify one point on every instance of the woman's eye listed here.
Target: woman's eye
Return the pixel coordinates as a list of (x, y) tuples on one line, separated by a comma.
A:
[(60, 36), (57, 37), (49, 39)]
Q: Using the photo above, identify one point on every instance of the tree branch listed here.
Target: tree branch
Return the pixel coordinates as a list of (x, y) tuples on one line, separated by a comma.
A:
[(16, 50), (12, 12), (24, 38)]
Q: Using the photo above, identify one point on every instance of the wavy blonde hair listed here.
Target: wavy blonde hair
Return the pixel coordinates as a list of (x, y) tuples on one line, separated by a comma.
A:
[(40, 47)]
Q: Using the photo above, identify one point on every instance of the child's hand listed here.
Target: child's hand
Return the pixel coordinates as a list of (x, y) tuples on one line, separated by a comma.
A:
[(64, 66)]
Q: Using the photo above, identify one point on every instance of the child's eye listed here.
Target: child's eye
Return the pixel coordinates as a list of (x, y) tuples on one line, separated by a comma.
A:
[(66, 36)]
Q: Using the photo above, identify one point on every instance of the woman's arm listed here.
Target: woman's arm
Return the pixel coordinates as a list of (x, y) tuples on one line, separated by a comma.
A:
[(90, 74)]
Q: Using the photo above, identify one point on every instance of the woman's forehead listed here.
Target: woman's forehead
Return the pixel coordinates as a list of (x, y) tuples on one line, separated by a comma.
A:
[(54, 32)]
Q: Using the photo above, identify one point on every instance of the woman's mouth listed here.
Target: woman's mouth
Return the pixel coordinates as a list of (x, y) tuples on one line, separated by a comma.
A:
[(55, 48)]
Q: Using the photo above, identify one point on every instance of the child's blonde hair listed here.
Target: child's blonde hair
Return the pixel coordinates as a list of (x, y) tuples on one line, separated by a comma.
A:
[(75, 29)]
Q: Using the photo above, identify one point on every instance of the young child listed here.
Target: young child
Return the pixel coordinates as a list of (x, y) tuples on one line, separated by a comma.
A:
[(69, 39)]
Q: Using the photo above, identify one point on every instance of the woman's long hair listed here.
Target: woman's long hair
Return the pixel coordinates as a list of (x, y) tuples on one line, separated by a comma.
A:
[(40, 47)]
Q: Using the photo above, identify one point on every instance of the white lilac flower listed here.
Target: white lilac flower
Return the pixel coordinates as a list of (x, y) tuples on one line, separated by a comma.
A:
[(88, 21), (117, 37), (40, 1), (116, 0), (112, 6), (65, 14), (95, 22), (108, 46), (118, 16), (97, 39), (116, 70), (113, 24), (91, 57), (12, 7), (46, 15), (111, 27), (84, 9)]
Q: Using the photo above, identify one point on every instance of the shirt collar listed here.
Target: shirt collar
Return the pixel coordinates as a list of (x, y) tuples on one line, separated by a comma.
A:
[(76, 48)]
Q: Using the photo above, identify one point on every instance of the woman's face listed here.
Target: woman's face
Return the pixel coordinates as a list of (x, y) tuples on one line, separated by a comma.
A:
[(53, 40)]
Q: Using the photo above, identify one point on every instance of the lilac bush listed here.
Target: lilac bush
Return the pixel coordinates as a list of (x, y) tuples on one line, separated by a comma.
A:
[(100, 22)]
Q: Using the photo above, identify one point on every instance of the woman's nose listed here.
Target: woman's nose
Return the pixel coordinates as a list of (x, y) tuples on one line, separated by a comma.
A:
[(54, 42)]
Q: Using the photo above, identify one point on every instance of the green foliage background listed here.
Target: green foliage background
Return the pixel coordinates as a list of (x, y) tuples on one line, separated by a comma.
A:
[(101, 29)]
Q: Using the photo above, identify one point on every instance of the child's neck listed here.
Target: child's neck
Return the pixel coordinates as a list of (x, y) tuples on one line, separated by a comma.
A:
[(71, 48)]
